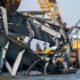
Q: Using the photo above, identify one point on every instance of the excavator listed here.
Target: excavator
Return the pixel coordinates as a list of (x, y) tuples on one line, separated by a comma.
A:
[(18, 56)]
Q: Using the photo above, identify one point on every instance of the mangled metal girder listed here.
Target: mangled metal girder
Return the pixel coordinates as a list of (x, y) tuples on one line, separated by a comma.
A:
[(10, 5), (26, 27), (4, 19)]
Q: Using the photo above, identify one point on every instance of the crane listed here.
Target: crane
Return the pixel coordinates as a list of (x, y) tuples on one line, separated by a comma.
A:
[(52, 7)]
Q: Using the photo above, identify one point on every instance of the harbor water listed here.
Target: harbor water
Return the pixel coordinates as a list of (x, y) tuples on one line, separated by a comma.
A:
[(41, 77)]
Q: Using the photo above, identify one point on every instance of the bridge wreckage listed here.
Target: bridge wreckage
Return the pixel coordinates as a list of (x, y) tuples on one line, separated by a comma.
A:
[(18, 56)]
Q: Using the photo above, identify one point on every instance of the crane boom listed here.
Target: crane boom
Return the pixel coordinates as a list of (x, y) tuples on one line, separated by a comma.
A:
[(50, 5)]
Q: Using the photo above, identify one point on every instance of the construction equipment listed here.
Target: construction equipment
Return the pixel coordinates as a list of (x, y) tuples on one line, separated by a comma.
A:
[(18, 56), (48, 5), (52, 7)]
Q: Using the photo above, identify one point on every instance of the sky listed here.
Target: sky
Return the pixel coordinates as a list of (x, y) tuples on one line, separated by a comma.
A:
[(70, 9)]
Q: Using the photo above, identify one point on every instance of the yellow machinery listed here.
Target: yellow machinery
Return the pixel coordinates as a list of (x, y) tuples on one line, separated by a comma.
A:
[(76, 44), (52, 7), (48, 5)]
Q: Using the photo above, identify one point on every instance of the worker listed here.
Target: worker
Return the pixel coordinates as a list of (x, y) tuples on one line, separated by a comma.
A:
[(38, 47)]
